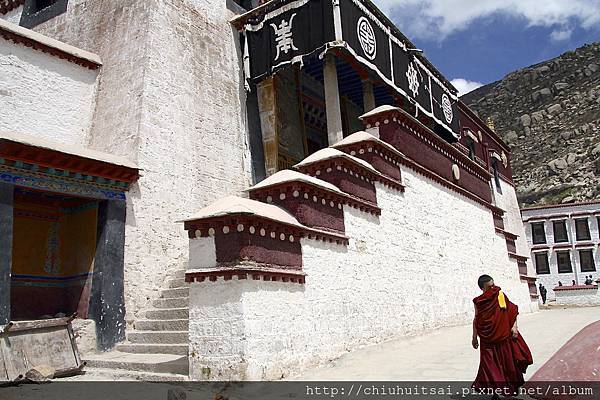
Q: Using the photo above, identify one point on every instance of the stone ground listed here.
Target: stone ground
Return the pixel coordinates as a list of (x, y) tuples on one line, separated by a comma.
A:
[(442, 355), (446, 354)]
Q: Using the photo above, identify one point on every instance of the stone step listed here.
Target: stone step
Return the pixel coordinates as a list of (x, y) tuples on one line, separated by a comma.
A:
[(162, 325), (167, 313), (175, 293), (171, 303), (176, 283), (104, 374), (161, 363), (158, 337), (138, 348)]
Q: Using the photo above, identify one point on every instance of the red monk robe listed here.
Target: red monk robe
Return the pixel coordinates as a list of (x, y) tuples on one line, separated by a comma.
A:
[(503, 357)]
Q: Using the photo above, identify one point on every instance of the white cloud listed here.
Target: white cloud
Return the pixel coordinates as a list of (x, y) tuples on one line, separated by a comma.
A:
[(464, 86), (559, 35), (436, 19)]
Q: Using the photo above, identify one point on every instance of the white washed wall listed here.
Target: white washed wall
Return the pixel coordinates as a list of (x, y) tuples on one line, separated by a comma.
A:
[(44, 95), (414, 268), (13, 16), (171, 98)]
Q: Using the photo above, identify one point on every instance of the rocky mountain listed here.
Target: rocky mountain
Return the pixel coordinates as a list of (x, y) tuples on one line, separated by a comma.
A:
[(549, 113)]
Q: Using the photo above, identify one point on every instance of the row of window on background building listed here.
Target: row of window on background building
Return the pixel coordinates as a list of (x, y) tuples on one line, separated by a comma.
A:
[(559, 227), (563, 260)]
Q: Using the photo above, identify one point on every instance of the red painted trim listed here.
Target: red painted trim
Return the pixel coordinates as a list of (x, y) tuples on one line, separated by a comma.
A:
[(381, 158), (415, 127), (343, 198), (47, 158), (517, 257), (506, 234), (236, 247), (583, 203), (233, 220), (511, 246), (314, 214), (562, 245), (8, 35), (242, 272), (349, 176), (540, 247), (545, 217), (575, 287), (528, 278), (586, 244), (484, 128)]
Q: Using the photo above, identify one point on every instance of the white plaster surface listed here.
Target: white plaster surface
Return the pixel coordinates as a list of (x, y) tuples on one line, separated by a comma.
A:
[(45, 96), (170, 97), (13, 16), (202, 253), (507, 200), (413, 269), (85, 335), (579, 297)]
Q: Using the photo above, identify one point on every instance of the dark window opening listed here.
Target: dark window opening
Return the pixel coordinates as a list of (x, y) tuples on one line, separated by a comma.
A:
[(563, 259), (36, 12), (541, 263), (39, 5), (538, 232), (582, 229), (586, 259), (496, 175), (471, 147), (560, 231)]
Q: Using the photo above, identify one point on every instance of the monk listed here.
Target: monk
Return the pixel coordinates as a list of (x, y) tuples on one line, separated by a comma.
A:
[(504, 355)]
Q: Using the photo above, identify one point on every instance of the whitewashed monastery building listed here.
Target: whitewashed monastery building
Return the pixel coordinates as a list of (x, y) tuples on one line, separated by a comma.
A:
[(564, 241), (241, 191)]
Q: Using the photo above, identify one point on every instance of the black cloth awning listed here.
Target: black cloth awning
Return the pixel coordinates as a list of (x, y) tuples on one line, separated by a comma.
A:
[(283, 32)]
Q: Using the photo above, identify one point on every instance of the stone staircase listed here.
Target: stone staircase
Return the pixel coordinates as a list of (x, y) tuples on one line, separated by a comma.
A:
[(157, 346)]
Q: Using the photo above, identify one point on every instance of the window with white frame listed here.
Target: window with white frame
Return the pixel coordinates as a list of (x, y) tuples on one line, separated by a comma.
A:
[(586, 260), (538, 233), (582, 229), (563, 259), (541, 263), (560, 231)]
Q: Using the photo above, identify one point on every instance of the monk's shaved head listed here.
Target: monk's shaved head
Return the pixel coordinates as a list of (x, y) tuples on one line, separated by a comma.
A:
[(483, 279)]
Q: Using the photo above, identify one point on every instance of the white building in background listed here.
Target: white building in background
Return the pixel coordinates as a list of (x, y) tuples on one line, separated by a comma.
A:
[(564, 241)]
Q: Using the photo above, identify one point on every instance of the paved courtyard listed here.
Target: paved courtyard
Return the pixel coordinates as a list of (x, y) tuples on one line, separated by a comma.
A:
[(446, 354)]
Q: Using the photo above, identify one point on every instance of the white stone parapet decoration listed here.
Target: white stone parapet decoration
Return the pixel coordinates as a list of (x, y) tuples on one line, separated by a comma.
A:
[(393, 274)]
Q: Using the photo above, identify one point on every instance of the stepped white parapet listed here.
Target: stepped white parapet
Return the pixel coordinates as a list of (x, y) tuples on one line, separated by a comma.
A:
[(288, 175), (239, 205), (331, 153), (362, 136)]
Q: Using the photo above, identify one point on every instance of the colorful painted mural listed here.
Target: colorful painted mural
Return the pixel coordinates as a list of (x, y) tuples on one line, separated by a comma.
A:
[(54, 244)]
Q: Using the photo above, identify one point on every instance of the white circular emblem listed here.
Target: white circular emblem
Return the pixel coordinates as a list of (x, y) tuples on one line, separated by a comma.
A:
[(366, 37), (447, 108)]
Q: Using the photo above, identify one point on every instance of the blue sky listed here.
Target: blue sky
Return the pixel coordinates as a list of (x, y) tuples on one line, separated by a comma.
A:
[(474, 42)]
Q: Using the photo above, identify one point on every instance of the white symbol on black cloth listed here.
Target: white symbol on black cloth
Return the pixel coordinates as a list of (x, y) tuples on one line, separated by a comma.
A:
[(283, 37), (447, 108), (366, 37), (413, 79)]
